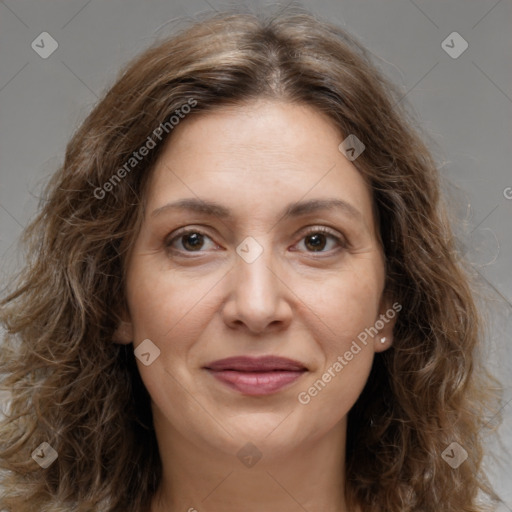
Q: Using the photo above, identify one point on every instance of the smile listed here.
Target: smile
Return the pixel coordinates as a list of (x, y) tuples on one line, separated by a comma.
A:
[(256, 375)]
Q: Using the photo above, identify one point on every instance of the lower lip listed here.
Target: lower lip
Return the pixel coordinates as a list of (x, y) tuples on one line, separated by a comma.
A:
[(257, 383)]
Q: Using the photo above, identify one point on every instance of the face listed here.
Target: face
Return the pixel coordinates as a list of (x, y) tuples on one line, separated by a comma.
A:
[(273, 253)]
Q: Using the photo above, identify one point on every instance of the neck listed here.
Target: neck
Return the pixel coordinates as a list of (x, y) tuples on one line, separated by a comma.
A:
[(204, 478)]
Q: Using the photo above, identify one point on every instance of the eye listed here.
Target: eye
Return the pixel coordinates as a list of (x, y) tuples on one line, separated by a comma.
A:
[(320, 238), (189, 240)]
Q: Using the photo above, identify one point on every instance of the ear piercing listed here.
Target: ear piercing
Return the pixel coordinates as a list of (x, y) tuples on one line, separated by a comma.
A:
[(383, 339)]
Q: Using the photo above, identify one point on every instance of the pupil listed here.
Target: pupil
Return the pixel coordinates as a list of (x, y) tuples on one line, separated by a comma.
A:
[(193, 240), (316, 241)]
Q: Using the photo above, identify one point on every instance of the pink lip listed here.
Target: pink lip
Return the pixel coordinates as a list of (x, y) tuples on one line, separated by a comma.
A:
[(256, 376), (255, 364)]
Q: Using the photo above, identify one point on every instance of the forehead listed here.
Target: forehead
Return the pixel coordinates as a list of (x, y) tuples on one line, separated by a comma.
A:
[(259, 155)]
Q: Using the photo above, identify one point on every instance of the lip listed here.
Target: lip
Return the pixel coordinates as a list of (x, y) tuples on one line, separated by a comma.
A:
[(256, 375), (255, 364)]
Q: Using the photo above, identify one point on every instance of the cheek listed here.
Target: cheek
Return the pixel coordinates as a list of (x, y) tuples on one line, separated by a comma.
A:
[(343, 304), (341, 317), (347, 357), (172, 310), (163, 302), (331, 393)]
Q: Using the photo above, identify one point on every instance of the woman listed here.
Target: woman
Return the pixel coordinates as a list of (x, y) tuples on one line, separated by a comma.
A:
[(242, 293)]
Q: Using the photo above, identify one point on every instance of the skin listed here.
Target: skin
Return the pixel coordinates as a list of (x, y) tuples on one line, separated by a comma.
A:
[(203, 302)]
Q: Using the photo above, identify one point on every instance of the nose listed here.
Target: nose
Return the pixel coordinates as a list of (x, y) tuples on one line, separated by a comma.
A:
[(259, 299)]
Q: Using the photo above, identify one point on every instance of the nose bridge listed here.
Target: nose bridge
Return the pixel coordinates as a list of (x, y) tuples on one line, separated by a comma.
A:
[(257, 298), (254, 277)]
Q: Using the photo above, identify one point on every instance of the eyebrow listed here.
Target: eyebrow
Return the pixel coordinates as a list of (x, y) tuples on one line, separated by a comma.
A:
[(295, 209)]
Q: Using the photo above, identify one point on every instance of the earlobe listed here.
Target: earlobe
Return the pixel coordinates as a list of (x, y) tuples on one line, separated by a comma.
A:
[(123, 334), (382, 343), (385, 324)]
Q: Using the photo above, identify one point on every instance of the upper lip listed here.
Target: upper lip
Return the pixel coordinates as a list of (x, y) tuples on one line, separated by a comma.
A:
[(255, 364)]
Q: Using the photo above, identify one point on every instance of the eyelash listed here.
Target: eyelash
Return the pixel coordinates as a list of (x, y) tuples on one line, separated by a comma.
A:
[(315, 230)]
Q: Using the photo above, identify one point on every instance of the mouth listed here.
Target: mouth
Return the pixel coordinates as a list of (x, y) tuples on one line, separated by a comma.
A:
[(256, 376)]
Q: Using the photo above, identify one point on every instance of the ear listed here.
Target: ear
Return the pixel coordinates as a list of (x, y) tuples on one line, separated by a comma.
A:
[(385, 322), (124, 331)]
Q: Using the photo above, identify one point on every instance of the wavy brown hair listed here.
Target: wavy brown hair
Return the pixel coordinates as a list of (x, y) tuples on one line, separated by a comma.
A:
[(72, 387)]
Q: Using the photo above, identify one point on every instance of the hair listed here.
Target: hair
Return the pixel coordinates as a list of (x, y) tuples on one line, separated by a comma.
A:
[(70, 385)]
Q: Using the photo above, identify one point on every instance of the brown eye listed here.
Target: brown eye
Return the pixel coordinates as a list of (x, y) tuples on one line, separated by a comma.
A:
[(192, 241), (188, 241), (322, 240), (316, 242)]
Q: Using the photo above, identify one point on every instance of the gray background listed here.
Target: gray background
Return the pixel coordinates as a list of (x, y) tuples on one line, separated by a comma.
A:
[(463, 105)]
